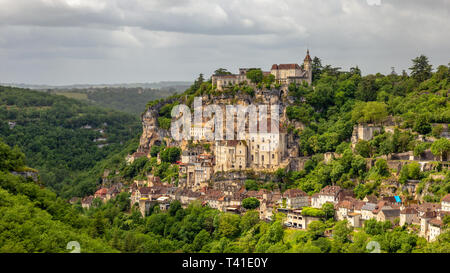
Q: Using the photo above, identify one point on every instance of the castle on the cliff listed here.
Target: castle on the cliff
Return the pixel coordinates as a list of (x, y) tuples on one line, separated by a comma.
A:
[(284, 74)]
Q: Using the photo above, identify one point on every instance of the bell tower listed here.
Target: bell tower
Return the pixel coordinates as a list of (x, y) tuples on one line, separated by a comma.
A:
[(307, 61)]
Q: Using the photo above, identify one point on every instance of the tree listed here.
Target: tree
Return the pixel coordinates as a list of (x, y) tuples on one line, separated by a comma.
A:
[(316, 229), (201, 239), (422, 125), (154, 150), (363, 148), (251, 185), (341, 231), (316, 68), (370, 112), (381, 167), (249, 220), (328, 208), (421, 69), (229, 226), (255, 75), (366, 90), (221, 72), (250, 203), (440, 147), (269, 79), (170, 154)]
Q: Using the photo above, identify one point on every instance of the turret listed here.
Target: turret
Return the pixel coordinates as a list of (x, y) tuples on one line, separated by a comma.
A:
[(307, 62)]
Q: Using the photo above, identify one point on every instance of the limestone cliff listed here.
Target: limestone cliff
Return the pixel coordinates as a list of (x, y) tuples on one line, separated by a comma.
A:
[(152, 133)]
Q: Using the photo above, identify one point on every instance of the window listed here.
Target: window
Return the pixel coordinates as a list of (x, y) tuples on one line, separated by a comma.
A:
[(273, 156)]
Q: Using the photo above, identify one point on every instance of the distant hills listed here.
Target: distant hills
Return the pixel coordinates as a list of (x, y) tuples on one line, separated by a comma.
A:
[(155, 85), (127, 97)]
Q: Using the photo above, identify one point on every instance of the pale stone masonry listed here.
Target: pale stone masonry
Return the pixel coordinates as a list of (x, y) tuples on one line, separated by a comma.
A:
[(284, 74)]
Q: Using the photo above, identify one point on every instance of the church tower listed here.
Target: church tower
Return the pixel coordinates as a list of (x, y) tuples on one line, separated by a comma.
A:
[(307, 66), (307, 62)]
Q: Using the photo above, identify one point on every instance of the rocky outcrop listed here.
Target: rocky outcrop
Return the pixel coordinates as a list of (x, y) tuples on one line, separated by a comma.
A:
[(151, 132), (28, 174)]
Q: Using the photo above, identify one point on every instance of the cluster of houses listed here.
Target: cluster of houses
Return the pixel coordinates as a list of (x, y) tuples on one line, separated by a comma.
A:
[(426, 218), (104, 194)]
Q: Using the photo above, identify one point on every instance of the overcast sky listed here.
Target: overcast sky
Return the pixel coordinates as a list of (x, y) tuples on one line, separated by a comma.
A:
[(123, 41)]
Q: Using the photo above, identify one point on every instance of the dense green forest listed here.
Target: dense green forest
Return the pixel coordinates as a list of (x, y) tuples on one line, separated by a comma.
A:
[(64, 138), (129, 100)]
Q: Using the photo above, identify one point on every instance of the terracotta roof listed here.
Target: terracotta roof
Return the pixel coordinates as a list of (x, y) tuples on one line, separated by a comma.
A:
[(292, 193), (138, 154), (409, 210), (429, 214), (446, 198), (307, 58), (144, 190), (87, 200), (436, 222), (330, 190), (391, 212), (371, 198), (286, 66), (379, 206), (226, 76), (345, 204), (429, 207), (101, 191)]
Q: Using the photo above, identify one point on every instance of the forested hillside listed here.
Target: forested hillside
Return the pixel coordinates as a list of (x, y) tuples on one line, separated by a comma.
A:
[(63, 138), (129, 100)]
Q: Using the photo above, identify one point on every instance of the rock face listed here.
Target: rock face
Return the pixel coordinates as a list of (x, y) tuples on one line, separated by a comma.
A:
[(151, 132), (28, 174)]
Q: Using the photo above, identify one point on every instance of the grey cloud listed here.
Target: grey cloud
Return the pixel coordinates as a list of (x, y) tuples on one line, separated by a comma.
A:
[(142, 40)]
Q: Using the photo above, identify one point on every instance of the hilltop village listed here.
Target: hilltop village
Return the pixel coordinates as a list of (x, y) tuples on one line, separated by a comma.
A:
[(217, 173)]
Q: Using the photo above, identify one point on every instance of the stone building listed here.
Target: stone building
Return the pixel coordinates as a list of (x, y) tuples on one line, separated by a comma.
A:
[(293, 73), (445, 203), (284, 74), (328, 194), (295, 198), (267, 150), (231, 155)]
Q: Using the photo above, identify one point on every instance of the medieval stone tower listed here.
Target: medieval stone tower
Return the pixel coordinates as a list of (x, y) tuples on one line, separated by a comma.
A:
[(307, 65)]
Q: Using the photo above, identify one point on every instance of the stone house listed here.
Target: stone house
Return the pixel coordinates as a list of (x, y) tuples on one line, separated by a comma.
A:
[(295, 218), (388, 214), (131, 158), (295, 198), (286, 74), (367, 211), (363, 132), (434, 229), (87, 202), (231, 155), (101, 193), (266, 150), (445, 203), (328, 194), (408, 216)]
